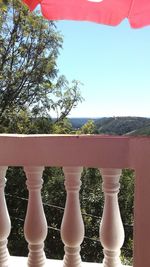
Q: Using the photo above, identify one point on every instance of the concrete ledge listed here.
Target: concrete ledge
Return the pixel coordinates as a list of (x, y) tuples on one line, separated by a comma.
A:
[(22, 262)]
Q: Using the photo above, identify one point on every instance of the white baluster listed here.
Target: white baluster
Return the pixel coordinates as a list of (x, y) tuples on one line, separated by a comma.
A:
[(72, 228), (111, 228), (35, 227), (5, 224)]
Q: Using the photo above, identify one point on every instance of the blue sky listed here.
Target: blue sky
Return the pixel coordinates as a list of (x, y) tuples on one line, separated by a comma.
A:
[(113, 63)]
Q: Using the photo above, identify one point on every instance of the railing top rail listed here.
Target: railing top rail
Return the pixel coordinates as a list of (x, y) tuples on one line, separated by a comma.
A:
[(70, 150)]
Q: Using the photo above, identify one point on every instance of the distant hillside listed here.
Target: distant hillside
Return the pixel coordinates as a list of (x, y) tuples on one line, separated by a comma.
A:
[(123, 125), (116, 125), (142, 131), (79, 122)]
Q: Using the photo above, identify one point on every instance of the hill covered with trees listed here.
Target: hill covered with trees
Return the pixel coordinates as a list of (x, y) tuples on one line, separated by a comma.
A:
[(116, 125), (121, 125)]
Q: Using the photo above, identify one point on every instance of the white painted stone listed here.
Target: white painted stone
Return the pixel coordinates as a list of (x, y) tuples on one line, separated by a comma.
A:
[(111, 227), (5, 224), (22, 262), (90, 151), (72, 228), (35, 227)]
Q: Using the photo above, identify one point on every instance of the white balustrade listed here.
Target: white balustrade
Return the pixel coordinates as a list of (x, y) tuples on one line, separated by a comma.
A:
[(72, 228), (111, 228), (35, 227), (110, 152), (5, 224)]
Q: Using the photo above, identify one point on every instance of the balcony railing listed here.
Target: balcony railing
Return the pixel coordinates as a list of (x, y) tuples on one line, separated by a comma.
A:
[(72, 152)]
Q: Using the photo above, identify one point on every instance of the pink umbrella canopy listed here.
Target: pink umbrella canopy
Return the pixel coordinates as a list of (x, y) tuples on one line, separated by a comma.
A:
[(110, 12)]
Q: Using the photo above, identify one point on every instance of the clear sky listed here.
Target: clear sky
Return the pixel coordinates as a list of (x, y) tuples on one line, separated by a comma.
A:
[(113, 63)]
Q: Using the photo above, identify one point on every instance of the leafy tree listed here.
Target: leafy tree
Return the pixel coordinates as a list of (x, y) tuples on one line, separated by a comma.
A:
[(3, 4), (22, 122), (29, 47), (88, 128), (63, 127)]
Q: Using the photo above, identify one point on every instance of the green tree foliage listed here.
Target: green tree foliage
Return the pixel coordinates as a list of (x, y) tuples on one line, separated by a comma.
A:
[(22, 122), (91, 198), (29, 47), (3, 5), (63, 127), (16, 196), (88, 128)]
